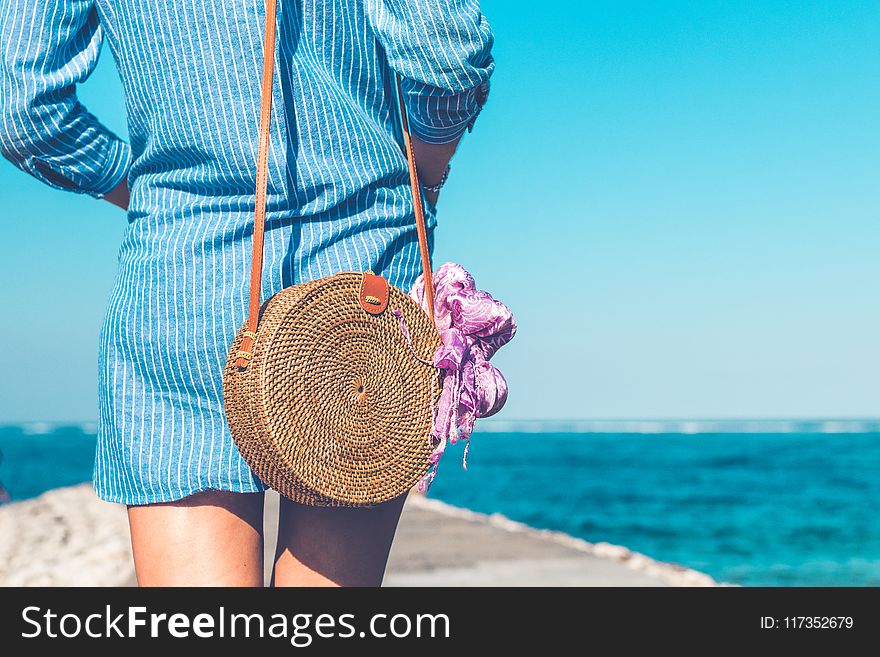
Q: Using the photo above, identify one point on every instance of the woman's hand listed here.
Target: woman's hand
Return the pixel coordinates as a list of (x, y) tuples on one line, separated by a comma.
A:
[(119, 195)]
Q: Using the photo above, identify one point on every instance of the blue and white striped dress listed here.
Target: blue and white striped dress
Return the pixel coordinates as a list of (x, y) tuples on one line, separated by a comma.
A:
[(338, 195)]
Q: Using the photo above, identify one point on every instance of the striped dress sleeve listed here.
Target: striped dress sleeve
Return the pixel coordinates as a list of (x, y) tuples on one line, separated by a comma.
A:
[(442, 49), (47, 47)]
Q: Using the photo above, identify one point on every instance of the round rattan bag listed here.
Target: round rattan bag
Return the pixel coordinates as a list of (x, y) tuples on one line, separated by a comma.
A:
[(329, 387), (334, 408)]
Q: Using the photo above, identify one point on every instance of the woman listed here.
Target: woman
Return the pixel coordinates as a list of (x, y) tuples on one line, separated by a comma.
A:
[(338, 200)]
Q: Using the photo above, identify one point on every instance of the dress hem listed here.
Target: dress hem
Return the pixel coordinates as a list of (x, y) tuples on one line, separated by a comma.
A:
[(142, 500)]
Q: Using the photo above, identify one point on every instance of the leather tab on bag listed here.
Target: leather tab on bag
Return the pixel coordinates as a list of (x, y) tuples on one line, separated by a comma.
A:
[(374, 293)]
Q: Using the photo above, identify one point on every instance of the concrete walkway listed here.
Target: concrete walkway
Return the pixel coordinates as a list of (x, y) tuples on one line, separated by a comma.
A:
[(69, 537), (433, 548)]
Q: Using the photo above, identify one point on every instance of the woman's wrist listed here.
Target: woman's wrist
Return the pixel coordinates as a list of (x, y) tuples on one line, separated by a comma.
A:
[(435, 187), (432, 159), (432, 162)]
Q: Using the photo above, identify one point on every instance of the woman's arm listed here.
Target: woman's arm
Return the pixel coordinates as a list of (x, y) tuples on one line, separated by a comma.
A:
[(442, 49), (119, 195), (431, 161), (46, 49)]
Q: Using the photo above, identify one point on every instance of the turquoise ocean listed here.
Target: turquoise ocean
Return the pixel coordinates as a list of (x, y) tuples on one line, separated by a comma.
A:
[(752, 503)]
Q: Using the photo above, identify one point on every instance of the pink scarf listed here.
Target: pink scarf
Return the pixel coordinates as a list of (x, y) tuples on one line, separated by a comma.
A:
[(472, 327)]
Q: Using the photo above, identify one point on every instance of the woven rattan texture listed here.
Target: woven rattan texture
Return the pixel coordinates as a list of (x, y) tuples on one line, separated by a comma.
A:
[(334, 409)]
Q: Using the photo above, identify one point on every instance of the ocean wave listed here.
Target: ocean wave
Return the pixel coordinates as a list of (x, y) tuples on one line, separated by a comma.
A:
[(46, 428)]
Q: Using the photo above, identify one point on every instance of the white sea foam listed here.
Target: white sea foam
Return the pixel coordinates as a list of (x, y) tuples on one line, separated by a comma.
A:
[(37, 428), (45, 428)]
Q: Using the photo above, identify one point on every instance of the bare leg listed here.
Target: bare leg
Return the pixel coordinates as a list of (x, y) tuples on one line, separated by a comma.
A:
[(334, 547), (212, 538)]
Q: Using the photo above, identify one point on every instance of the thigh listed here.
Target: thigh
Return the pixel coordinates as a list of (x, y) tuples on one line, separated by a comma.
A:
[(212, 538), (334, 547)]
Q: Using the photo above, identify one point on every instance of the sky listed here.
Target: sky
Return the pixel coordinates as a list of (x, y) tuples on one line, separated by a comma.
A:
[(678, 200)]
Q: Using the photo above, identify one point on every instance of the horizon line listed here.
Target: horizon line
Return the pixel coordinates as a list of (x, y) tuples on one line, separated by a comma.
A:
[(822, 425)]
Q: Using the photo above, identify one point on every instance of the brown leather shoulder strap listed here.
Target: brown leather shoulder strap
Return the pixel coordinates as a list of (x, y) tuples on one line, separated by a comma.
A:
[(246, 349), (247, 344), (421, 228)]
